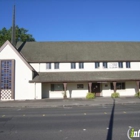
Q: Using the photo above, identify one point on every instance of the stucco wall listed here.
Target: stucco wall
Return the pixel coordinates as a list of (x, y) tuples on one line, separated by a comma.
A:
[(90, 66), (23, 89), (77, 93), (130, 89), (38, 90), (72, 91)]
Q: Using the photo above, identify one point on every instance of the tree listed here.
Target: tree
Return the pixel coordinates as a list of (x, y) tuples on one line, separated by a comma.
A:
[(21, 35)]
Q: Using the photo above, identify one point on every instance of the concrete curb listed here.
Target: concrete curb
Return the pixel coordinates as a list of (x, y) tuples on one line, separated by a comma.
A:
[(69, 105)]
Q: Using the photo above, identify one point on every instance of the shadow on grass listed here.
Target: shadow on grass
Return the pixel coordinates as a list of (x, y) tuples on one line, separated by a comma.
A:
[(110, 130)]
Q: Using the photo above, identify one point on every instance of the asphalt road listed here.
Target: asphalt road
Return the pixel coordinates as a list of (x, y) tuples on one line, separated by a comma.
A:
[(69, 123)]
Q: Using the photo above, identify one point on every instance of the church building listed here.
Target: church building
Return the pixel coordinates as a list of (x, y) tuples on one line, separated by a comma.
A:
[(36, 70)]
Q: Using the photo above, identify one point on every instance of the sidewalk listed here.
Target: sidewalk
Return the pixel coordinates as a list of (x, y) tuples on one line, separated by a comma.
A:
[(47, 103)]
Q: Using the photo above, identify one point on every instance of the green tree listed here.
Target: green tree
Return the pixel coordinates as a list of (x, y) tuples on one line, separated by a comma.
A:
[(21, 35)]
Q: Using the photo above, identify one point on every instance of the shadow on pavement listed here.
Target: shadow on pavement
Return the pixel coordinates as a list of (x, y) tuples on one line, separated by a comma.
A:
[(110, 130)]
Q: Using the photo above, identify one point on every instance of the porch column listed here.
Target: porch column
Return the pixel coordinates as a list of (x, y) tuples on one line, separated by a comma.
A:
[(65, 89), (90, 86), (114, 85), (137, 86)]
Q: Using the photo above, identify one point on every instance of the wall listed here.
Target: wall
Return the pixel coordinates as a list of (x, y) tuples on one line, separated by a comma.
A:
[(130, 89), (77, 93), (90, 66), (23, 89), (38, 90), (72, 91)]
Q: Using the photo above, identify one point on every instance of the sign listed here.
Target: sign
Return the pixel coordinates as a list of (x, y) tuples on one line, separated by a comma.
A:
[(132, 133), (113, 65)]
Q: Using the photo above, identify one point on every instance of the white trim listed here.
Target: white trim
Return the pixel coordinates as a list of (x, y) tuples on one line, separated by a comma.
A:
[(15, 50)]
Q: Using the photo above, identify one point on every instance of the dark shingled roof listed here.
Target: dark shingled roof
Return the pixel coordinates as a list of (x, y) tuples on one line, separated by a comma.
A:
[(79, 51), (87, 76)]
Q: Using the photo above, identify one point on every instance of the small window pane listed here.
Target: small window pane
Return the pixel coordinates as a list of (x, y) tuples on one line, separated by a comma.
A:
[(97, 65), (120, 64), (56, 65), (48, 65), (118, 86), (73, 65), (128, 65), (57, 87), (81, 65), (80, 86), (105, 64)]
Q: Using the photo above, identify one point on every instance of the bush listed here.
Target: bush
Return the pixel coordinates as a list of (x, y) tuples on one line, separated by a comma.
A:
[(90, 95), (115, 95), (137, 94)]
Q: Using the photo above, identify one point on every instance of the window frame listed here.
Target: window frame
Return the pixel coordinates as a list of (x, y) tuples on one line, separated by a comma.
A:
[(56, 65), (81, 65), (49, 65), (73, 65), (120, 64), (12, 89), (97, 65), (105, 65), (53, 88), (122, 84), (128, 64), (80, 86)]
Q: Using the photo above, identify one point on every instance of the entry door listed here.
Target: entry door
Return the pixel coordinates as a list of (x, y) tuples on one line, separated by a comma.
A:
[(96, 89)]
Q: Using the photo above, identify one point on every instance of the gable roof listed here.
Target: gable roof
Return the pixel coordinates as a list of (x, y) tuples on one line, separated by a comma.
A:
[(102, 76), (79, 51), (15, 50)]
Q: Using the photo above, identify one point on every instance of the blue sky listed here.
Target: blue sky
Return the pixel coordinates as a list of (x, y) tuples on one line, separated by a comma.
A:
[(75, 20)]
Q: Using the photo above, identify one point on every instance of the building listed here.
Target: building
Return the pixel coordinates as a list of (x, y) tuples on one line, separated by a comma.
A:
[(36, 70)]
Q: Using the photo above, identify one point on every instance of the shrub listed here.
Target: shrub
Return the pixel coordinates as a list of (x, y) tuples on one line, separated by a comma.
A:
[(137, 94), (90, 95), (115, 95)]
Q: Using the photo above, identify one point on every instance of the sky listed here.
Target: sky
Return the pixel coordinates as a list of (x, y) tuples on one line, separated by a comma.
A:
[(75, 20)]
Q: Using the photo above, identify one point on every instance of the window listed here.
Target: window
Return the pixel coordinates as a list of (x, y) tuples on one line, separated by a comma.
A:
[(120, 64), (105, 64), (97, 65), (128, 65), (6, 74), (73, 65), (118, 86), (57, 87), (80, 86), (81, 65), (56, 65), (48, 65)]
